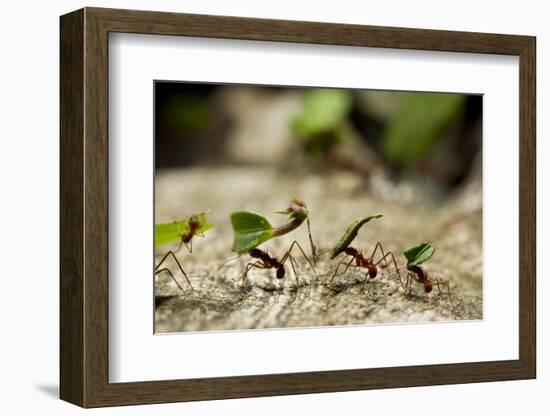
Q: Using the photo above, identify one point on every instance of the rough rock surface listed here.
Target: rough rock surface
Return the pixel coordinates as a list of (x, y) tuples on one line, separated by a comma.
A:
[(220, 302)]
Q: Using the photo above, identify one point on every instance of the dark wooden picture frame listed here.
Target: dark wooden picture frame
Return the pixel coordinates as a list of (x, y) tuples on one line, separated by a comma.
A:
[(84, 207)]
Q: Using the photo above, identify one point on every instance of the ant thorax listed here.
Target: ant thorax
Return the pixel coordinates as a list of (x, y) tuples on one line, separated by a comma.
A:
[(350, 251), (193, 227), (419, 271), (256, 253), (264, 257)]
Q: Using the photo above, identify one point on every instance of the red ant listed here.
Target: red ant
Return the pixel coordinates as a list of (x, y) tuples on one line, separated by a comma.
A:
[(366, 263), (419, 275), (265, 261), (187, 240)]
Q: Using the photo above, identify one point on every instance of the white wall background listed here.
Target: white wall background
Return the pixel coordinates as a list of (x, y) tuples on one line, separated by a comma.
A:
[(29, 162)]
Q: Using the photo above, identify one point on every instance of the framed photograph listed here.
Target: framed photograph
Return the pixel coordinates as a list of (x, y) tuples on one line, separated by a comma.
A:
[(255, 207)]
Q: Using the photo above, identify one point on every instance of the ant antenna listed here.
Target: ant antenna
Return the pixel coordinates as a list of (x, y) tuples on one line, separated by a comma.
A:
[(227, 261)]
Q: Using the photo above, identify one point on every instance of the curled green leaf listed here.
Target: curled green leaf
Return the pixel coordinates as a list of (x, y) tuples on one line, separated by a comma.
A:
[(250, 230), (350, 234), (419, 254)]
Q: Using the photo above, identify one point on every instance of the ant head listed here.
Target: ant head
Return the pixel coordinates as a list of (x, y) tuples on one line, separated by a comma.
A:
[(428, 287), (281, 272), (298, 201), (297, 209), (194, 222)]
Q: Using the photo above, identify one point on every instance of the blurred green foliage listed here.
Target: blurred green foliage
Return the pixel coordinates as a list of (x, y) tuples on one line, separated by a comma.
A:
[(418, 126), (185, 114), (323, 113)]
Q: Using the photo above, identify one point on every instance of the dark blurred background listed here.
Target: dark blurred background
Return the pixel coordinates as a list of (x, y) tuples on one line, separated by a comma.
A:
[(431, 137)]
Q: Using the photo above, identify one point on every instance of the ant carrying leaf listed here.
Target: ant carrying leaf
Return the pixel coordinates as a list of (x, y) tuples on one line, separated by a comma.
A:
[(182, 231), (251, 230), (416, 256), (343, 246)]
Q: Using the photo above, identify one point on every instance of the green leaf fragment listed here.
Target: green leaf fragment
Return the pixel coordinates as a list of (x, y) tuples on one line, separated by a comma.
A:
[(350, 234), (172, 232), (250, 230), (419, 254)]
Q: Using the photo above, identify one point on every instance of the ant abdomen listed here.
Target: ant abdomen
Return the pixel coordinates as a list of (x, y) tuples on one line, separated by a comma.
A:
[(373, 271)]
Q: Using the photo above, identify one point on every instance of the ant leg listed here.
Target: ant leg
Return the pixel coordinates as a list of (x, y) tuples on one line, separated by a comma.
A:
[(323, 252), (292, 261), (410, 278), (179, 246), (439, 284), (379, 245), (227, 261), (177, 262), (295, 243), (408, 284), (338, 266), (249, 266), (389, 253), (246, 270), (348, 265), (171, 275), (313, 248), (162, 261), (189, 246), (190, 250)]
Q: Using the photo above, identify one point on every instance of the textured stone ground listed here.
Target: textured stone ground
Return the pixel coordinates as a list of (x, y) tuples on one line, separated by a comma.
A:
[(219, 302)]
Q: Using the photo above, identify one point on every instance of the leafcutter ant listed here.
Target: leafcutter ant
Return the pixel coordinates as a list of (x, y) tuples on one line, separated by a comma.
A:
[(182, 231), (265, 261), (252, 229), (355, 255), (416, 256), (418, 274)]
